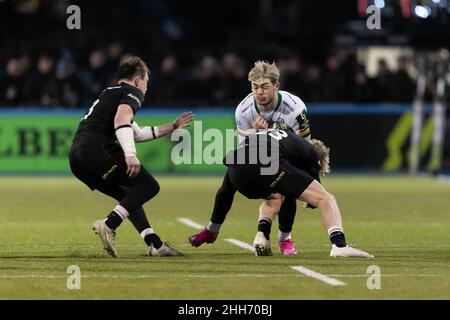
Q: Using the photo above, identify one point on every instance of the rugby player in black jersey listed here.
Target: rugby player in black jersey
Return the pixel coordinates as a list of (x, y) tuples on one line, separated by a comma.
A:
[(295, 164), (103, 155)]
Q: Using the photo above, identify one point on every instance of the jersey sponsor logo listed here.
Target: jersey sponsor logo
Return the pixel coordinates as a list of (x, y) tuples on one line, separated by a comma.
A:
[(278, 178), (108, 173), (302, 120), (132, 96)]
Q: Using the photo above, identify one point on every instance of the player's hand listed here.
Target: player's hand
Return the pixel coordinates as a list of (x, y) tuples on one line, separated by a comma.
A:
[(183, 121), (133, 166), (260, 123)]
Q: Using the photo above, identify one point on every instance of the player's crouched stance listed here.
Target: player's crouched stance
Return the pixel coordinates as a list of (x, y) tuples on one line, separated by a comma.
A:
[(297, 176), (300, 163), (111, 166)]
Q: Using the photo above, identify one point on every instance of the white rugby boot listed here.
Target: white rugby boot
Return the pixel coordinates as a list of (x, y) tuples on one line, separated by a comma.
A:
[(107, 236), (262, 245)]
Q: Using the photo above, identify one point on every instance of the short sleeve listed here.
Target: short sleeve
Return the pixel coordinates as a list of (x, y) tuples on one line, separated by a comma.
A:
[(241, 122), (133, 98)]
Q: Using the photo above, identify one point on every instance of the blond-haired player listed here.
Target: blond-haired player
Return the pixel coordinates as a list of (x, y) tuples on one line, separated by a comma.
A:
[(266, 106)]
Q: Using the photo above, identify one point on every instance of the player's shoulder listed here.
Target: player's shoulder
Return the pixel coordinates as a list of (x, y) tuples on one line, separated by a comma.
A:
[(246, 104), (112, 90), (292, 102), (132, 92), (122, 89)]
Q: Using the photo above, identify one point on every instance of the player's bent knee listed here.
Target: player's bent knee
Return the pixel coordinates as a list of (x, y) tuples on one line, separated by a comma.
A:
[(148, 190), (154, 188), (331, 197), (328, 200)]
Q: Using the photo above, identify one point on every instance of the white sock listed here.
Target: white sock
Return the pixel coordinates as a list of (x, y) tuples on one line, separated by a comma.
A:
[(283, 236), (334, 229), (121, 212), (146, 232), (214, 228)]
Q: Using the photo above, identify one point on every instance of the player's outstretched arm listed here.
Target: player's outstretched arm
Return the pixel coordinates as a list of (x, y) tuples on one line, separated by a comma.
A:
[(150, 133)]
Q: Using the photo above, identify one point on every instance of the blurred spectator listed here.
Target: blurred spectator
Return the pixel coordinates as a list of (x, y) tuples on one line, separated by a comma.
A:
[(234, 79), (11, 93), (114, 53), (333, 82), (41, 88), (205, 84), (70, 86), (311, 91), (164, 87), (349, 68), (292, 75), (384, 81), (363, 90), (96, 77), (402, 83)]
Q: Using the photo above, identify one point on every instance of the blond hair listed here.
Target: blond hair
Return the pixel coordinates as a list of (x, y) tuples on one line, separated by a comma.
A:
[(263, 69), (324, 155)]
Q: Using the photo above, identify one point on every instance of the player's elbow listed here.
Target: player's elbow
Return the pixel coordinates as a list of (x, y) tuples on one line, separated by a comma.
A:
[(121, 121), (139, 136), (123, 116)]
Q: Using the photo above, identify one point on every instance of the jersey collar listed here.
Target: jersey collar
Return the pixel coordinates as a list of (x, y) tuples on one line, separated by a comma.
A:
[(276, 107)]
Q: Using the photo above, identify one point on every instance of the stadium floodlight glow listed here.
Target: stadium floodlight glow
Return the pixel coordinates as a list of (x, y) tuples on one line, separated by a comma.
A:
[(421, 12), (379, 4), (436, 1)]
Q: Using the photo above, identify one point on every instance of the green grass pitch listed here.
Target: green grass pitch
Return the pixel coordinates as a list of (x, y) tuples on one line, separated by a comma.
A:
[(45, 226)]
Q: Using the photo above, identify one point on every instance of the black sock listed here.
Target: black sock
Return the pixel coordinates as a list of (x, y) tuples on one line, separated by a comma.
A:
[(264, 225), (286, 215), (338, 238), (153, 239), (113, 220)]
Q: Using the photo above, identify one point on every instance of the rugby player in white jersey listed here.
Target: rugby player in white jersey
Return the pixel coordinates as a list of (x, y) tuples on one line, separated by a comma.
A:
[(266, 106)]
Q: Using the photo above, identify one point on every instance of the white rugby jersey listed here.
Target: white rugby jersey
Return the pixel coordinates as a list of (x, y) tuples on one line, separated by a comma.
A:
[(290, 110)]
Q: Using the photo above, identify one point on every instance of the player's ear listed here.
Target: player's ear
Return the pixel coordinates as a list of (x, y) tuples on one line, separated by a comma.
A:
[(137, 81)]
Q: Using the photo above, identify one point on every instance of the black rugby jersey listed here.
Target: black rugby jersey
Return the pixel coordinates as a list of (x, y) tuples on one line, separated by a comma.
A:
[(295, 149), (97, 125)]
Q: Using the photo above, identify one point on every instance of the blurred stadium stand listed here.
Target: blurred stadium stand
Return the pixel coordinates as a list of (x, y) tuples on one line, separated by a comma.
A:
[(199, 54)]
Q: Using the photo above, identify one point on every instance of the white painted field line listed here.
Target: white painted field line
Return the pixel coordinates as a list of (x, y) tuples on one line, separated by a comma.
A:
[(196, 225), (244, 245), (190, 223), (241, 244), (318, 276)]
